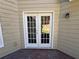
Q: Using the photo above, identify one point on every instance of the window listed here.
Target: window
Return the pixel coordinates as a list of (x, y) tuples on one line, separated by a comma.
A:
[(1, 38)]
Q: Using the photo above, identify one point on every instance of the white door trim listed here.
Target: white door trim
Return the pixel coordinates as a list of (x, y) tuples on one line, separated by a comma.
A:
[(52, 34)]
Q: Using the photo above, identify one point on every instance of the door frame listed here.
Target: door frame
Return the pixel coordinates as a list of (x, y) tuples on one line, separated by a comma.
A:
[(52, 34)]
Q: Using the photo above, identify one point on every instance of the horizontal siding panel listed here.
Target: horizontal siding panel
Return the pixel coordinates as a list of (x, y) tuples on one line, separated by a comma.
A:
[(10, 16), (8, 8), (11, 1), (39, 6), (8, 12), (8, 4), (37, 1)]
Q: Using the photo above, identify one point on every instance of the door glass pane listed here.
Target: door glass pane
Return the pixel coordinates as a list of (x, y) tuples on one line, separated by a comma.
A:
[(31, 21), (45, 29)]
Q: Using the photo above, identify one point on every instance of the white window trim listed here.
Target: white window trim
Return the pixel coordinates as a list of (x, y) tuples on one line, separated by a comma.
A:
[(1, 38), (23, 13)]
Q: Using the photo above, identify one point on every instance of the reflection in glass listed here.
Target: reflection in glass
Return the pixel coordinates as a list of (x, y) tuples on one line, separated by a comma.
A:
[(45, 29), (31, 29)]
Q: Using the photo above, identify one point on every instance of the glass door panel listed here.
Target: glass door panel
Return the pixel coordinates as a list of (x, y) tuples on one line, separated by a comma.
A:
[(31, 31), (45, 29), (31, 21)]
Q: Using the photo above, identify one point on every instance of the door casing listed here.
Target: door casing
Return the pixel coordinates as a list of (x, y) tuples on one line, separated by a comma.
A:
[(52, 28)]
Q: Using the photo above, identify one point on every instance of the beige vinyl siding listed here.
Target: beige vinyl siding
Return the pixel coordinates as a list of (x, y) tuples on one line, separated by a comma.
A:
[(68, 41), (39, 5), (10, 26)]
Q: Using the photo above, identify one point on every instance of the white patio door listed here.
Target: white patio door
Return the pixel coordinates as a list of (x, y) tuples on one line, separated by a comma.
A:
[(37, 30)]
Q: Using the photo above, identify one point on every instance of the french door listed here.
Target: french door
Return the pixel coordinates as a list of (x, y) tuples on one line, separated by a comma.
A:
[(37, 30)]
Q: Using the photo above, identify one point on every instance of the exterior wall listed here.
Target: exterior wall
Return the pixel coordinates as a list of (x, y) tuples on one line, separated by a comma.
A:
[(10, 26), (68, 41), (39, 5)]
